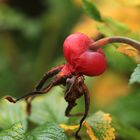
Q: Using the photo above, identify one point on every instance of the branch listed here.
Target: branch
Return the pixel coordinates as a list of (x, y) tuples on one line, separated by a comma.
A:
[(115, 39)]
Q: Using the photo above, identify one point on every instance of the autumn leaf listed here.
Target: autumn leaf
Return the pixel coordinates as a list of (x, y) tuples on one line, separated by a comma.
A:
[(69, 127), (99, 126), (128, 50), (89, 131)]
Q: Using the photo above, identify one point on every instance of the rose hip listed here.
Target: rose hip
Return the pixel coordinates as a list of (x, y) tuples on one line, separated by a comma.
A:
[(84, 61), (74, 45)]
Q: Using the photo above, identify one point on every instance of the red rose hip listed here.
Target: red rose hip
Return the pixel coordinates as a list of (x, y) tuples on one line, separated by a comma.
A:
[(74, 45), (91, 63), (84, 61)]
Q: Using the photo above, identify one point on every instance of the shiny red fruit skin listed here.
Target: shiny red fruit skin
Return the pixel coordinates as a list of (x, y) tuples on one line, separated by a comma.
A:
[(90, 63), (74, 45), (82, 60)]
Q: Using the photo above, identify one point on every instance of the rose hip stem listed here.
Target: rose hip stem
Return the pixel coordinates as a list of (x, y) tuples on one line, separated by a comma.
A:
[(115, 39)]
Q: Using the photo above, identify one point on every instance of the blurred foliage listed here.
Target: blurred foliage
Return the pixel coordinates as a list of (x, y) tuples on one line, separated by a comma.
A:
[(28, 45), (11, 114), (31, 39), (42, 110), (15, 132), (91, 10)]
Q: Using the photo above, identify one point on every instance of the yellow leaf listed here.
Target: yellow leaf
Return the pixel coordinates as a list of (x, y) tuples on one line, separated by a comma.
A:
[(128, 50), (69, 127), (110, 132), (99, 126), (89, 131)]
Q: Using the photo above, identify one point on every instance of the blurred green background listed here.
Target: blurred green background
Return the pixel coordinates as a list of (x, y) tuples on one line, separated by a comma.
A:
[(31, 39), (32, 34)]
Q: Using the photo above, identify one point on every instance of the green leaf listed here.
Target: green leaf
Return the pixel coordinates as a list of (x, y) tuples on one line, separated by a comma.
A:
[(135, 76), (12, 113), (101, 124), (91, 10), (47, 131), (50, 107), (116, 26), (113, 27), (15, 132)]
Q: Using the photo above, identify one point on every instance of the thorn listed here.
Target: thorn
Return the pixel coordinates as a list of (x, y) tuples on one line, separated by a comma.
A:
[(10, 99)]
